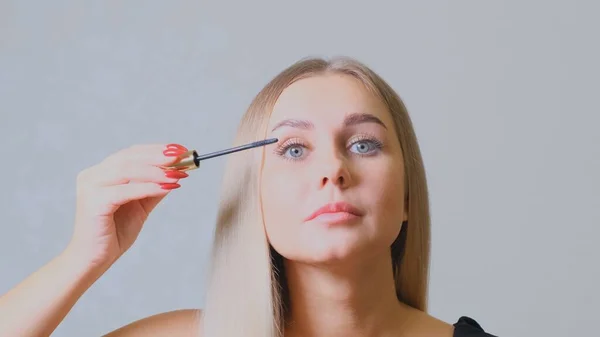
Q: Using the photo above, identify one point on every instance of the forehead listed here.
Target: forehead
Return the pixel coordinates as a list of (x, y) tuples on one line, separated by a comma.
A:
[(327, 99)]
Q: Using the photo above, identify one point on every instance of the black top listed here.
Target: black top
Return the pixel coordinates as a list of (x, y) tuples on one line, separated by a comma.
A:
[(468, 327)]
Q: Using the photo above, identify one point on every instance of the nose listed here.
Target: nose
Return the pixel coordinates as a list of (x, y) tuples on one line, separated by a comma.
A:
[(333, 170)]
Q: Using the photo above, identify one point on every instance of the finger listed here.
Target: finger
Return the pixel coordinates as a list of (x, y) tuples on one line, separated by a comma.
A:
[(131, 172), (150, 154), (106, 200)]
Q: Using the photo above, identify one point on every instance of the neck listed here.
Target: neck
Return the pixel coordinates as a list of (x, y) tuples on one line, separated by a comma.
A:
[(355, 299)]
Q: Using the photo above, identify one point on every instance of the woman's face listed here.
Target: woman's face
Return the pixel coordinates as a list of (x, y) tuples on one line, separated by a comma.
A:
[(337, 149)]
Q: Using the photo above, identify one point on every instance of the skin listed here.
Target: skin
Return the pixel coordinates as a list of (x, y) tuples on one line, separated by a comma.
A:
[(340, 276)]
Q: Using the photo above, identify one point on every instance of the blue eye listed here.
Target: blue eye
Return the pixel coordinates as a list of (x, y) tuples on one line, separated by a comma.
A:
[(291, 150), (361, 147), (365, 146), (294, 151)]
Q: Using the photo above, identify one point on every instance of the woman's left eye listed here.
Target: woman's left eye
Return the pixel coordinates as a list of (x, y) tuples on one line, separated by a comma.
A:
[(365, 146)]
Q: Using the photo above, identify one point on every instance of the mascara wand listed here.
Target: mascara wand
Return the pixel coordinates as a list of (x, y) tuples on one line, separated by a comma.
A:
[(191, 160)]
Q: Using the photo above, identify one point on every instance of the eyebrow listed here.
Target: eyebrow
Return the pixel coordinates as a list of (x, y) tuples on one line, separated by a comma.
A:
[(350, 120)]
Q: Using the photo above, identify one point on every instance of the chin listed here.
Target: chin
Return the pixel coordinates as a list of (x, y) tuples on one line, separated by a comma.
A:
[(328, 249)]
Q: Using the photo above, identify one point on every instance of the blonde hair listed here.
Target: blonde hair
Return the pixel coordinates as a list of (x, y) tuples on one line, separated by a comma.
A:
[(246, 288)]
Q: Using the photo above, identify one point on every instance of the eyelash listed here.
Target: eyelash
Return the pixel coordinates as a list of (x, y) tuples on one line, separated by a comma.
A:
[(282, 149)]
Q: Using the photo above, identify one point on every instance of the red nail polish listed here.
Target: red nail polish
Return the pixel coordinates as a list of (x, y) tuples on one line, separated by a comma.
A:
[(172, 152), (177, 146), (169, 186), (176, 174)]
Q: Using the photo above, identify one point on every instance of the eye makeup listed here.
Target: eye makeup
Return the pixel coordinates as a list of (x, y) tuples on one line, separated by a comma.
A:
[(372, 143)]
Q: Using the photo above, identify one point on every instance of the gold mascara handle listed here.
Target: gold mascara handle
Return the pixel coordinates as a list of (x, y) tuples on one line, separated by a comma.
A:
[(186, 162)]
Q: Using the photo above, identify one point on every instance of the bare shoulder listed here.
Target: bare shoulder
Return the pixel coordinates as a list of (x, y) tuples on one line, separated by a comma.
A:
[(423, 324), (177, 323), (432, 326)]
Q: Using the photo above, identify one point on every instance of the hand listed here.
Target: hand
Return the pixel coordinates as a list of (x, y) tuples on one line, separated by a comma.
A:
[(115, 197)]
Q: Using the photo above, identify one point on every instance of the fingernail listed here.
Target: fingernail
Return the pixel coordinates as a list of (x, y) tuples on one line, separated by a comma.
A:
[(169, 186), (172, 152), (177, 146), (176, 174)]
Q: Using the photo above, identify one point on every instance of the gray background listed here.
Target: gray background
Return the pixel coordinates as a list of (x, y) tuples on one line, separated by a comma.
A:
[(501, 94)]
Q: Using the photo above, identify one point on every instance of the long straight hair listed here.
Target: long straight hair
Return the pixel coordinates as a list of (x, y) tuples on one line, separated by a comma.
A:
[(246, 291)]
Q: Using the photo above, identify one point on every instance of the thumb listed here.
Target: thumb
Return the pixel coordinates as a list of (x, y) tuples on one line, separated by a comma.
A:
[(151, 202)]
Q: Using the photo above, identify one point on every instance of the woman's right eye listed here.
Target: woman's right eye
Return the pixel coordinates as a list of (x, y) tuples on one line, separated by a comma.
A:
[(295, 151), (291, 150)]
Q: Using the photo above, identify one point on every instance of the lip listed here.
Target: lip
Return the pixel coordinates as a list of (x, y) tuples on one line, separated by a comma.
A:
[(338, 210)]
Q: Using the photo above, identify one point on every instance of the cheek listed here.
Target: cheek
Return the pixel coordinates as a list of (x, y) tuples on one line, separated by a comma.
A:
[(281, 195), (385, 190)]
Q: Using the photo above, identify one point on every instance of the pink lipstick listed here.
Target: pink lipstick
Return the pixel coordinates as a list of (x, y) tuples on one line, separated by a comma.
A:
[(334, 213)]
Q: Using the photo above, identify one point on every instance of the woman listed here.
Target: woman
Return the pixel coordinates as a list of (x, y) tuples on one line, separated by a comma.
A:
[(325, 233)]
